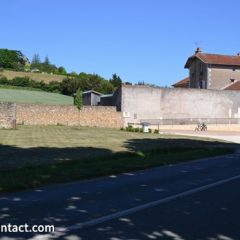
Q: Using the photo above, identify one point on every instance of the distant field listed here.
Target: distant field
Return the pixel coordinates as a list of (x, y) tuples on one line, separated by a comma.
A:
[(34, 76), (37, 97)]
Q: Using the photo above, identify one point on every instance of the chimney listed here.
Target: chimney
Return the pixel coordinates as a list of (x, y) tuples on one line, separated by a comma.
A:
[(198, 50)]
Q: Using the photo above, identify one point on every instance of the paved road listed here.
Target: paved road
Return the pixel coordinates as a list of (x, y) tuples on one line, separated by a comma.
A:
[(197, 200)]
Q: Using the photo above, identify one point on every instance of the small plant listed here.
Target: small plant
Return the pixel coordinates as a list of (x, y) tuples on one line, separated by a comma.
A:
[(137, 129), (150, 130), (129, 129), (121, 129), (141, 130), (156, 131)]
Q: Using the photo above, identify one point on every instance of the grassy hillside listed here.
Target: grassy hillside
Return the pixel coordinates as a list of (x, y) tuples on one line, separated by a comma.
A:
[(37, 97), (34, 76)]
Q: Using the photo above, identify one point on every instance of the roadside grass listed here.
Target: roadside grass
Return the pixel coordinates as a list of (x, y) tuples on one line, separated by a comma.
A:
[(61, 172), (33, 97), (34, 156)]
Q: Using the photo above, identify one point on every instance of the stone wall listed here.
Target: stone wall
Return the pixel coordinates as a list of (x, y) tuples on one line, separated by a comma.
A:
[(95, 116), (7, 115)]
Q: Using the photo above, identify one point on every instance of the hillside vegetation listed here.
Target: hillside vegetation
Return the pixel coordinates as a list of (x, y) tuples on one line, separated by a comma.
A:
[(16, 70), (34, 97), (34, 76)]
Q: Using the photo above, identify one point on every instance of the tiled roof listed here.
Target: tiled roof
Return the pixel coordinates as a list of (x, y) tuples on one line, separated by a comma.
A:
[(215, 59), (234, 86), (182, 84)]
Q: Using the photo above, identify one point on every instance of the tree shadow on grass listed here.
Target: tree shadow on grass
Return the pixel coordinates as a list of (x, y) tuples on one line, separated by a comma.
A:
[(15, 157), (142, 144)]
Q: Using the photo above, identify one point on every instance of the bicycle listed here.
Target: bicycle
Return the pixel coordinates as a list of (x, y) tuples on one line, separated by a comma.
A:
[(201, 127)]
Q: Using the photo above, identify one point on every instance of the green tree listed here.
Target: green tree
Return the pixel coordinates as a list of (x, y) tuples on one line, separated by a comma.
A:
[(46, 66), (47, 61), (116, 81), (62, 70), (106, 87), (11, 59), (78, 99), (36, 59), (79, 102)]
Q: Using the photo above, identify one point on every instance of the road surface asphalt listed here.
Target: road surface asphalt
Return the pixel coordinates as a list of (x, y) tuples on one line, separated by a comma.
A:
[(194, 200)]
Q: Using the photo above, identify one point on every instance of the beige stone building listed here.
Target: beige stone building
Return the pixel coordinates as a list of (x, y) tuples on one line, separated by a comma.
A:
[(212, 71)]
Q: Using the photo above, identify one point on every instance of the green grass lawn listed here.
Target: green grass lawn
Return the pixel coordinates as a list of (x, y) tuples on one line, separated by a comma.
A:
[(40, 155), (35, 97)]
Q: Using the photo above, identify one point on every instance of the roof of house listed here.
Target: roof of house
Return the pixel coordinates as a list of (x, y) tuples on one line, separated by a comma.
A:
[(106, 95), (234, 86), (216, 59), (92, 91), (184, 83)]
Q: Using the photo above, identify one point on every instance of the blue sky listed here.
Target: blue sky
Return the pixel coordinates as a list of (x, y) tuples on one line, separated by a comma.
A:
[(140, 40)]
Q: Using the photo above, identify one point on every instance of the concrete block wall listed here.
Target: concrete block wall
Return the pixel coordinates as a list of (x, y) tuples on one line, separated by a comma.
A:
[(144, 102), (7, 115), (95, 116)]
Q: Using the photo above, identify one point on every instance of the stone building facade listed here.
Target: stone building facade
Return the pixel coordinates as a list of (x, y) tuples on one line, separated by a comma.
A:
[(212, 71), (7, 115)]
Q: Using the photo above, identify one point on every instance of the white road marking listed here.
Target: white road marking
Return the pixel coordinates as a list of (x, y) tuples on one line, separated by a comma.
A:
[(149, 205)]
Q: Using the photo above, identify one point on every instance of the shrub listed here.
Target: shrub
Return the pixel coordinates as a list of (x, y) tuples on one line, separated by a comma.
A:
[(127, 129), (137, 129), (150, 130), (20, 81), (156, 131), (3, 81), (130, 129), (121, 129)]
